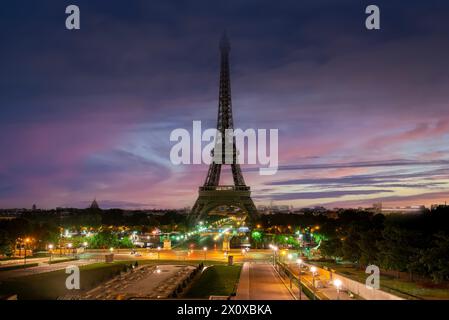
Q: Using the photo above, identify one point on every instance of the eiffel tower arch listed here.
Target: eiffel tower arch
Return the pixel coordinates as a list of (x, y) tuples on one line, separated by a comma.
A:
[(212, 194)]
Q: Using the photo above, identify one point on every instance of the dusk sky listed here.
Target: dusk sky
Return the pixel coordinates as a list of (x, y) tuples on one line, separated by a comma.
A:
[(363, 116)]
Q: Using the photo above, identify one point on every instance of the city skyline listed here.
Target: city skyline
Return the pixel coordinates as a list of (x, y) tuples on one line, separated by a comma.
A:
[(362, 116)]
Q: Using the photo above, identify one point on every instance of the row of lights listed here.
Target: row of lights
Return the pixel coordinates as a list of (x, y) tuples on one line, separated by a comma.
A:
[(337, 282)]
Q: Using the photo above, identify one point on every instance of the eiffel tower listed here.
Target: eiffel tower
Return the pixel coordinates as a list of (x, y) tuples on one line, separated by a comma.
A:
[(212, 194)]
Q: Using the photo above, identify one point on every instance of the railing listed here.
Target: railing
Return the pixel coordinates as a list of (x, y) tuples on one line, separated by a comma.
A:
[(283, 269), (225, 188)]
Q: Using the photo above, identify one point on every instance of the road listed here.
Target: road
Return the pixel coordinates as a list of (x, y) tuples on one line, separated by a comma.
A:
[(259, 281), (188, 255), (13, 262)]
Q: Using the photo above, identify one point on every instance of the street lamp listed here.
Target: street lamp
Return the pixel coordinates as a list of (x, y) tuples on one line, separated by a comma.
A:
[(337, 284), (158, 252), (274, 255), (205, 253), (27, 240), (50, 248), (70, 247), (299, 262), (313, 270)]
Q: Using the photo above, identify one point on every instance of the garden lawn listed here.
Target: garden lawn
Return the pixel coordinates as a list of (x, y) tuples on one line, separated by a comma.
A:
[(220, 280), (400, 287)]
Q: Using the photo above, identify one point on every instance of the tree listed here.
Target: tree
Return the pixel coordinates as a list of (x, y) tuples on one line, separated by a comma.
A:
[(332, 248), (398, 250), (435, 259), (350, 244), (369, 251), (104, 239), (257, 238), (6, 243), (126, 243)]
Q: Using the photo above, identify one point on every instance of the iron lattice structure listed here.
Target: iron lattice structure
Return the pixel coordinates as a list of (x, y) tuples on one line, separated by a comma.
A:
[(212, 194)]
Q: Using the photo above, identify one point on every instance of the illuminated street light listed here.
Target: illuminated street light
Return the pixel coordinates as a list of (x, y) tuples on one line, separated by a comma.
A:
[(27, 240), (299, 262), (274, 248), (69, 245), (313, 270), (50, 248), (337, 284), (111, 249), (205, 253)]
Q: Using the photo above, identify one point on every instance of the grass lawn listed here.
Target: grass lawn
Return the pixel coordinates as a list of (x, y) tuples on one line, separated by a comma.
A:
[(399, 287), (51, 285), (218, 280)]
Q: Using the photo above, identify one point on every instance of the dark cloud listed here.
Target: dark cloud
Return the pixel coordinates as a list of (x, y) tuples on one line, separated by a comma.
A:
[(362, 164)]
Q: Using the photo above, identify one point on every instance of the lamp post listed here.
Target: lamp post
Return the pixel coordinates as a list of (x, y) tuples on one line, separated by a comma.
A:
[(313, 270), (27, 240), (274, 254), (337, 284), (299, 262), (50, 248), (205, 253), (158, 252), (69, 245)]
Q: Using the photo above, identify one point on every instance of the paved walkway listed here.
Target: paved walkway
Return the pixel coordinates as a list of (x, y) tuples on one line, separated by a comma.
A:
[(13, 262), (324, 287), (4, 275), (259, 281)]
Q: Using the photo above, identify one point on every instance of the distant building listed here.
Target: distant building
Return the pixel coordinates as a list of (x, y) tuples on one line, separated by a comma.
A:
[(439, 206), (272, 209), (94, 205), (403, 210), (34, 207)]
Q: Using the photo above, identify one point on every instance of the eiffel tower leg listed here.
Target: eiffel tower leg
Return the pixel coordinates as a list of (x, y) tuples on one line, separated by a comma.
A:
[(237, 175)]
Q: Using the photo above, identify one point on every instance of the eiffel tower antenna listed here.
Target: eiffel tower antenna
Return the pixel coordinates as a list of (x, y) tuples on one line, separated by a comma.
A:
[(212, 194)]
